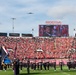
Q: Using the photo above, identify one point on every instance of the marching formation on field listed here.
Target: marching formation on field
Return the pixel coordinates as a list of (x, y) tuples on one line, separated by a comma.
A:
[(17, 65)]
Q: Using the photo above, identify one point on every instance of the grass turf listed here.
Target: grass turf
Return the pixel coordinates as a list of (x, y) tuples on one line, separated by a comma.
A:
[(65, 71)]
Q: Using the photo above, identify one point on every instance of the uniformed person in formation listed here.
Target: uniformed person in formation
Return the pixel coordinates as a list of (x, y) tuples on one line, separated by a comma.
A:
[(16, 66), (44, 65), (61, 65), (21, 65), (69, 64), (40, 64), (48, 65), (34, 66), (54, 63), (28, 66)]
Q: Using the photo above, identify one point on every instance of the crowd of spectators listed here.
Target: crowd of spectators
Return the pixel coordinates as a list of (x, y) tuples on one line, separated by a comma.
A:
[(38, 47)]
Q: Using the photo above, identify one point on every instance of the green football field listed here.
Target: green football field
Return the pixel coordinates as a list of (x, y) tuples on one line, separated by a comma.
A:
[(65, 71)]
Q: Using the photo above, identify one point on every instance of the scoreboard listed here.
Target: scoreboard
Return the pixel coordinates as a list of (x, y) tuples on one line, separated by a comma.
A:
[(54, 30)]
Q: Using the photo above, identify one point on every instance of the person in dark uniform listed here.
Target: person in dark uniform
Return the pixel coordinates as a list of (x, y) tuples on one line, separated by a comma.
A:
[(31, 65), (48, 64), (0, 62), (69, 64), (34, 66), (16, 66), (21, 65), (54, 63), (40, 64), (44, 65), (61, 65), (28, 66)]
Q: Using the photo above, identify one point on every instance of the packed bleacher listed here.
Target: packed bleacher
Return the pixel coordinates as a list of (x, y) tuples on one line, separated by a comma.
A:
[(38, 47)]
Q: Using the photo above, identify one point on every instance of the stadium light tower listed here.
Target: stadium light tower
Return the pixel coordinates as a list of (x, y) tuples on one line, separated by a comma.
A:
[(28, 61), (30, 13), (33, 31), (13, 24), (74, 31)]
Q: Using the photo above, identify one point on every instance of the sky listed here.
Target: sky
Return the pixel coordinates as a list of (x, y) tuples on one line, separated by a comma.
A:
[(43, 10)]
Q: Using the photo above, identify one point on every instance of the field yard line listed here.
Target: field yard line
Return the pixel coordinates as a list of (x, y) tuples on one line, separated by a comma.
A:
[(66, 73)]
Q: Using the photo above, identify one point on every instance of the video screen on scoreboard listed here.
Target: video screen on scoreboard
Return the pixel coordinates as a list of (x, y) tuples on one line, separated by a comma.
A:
[(53, 30)]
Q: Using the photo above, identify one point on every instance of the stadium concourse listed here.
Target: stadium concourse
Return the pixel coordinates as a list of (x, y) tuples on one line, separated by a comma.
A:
[(39, 47)]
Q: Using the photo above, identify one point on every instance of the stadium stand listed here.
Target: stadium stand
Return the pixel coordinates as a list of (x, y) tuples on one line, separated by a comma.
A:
[(39, 47)]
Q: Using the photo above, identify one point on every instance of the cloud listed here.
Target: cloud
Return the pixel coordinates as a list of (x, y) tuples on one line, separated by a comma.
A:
[(43, 10), (62, 10), (26, 1)]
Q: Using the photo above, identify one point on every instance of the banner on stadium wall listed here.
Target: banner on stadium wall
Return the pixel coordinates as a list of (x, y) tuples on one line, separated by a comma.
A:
[(54, 22)]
